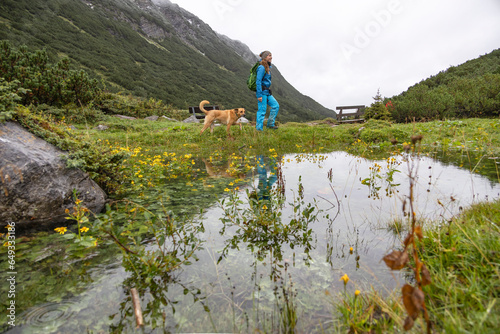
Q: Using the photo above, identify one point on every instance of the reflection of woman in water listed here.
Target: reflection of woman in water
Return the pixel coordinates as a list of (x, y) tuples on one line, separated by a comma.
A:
[(265, 183)]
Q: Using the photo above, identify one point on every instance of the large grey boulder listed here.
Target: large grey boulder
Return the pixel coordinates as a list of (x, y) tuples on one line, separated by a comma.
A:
[(35, 184)]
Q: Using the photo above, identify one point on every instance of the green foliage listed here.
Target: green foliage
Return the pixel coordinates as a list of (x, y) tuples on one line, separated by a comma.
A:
[(107, 41), (174, 242), (129, 105), (42, 82), (463, 256), (70, 113), (260, 225), (82, 241), (378, 131), (377, 110), (468, 90), (103, 166), (8, 98), (373, 136)]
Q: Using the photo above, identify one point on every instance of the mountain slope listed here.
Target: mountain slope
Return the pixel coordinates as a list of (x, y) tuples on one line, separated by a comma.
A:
[(471, 89), (148, 50)]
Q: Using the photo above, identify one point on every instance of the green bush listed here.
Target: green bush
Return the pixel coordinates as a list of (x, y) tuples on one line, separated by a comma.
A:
[(71, 113), (137, 107), (9, 98), (103, 165), (378, 110), (377, 124), (399, 134), (468, 90), (44, 83), (373, 136)]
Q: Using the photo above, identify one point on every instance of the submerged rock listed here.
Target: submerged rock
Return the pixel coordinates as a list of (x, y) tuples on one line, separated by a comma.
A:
[(35, 184)]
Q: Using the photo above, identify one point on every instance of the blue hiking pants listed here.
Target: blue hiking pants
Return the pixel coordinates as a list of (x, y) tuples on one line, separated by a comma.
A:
[(267, 100)]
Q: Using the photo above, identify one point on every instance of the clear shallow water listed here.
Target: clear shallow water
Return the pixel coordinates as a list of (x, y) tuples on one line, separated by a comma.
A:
[(246, 287)]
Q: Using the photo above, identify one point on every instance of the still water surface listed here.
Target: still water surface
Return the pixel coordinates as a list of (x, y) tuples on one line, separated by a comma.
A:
[(356, 201)]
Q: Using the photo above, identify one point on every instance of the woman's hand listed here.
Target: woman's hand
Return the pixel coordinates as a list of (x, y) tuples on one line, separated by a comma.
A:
[(259, 99)]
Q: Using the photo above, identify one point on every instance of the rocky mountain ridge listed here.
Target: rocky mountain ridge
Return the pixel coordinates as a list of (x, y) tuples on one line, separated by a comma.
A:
[(149, 49)]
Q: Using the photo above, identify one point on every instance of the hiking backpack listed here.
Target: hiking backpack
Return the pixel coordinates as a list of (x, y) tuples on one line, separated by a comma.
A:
[(252, 78)]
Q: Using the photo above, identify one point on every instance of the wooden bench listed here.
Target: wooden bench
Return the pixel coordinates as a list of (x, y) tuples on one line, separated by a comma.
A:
[(351, 117), (200, 114)]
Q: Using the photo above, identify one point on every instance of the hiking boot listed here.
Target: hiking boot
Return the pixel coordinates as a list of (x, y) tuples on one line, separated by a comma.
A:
[(274, 127)]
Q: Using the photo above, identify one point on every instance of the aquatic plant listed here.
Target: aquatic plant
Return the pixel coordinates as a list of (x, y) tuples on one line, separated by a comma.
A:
[(155, 242), (413, 296), (378, 177), (258, 221), (81, 239)]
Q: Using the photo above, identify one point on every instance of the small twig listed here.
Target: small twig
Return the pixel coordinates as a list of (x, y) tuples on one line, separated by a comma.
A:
[(136, 302), (119, 243)]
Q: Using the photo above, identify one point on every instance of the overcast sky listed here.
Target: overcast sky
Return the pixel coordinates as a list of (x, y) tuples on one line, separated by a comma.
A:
[(342, 52)]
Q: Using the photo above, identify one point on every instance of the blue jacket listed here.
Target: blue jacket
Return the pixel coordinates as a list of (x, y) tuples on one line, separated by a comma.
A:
[(263, 79)]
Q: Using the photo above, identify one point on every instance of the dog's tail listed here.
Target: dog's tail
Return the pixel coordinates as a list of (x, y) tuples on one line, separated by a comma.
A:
[(202, 103)]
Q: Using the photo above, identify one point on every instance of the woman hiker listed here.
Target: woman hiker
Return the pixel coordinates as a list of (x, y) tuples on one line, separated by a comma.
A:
[(264, 94)]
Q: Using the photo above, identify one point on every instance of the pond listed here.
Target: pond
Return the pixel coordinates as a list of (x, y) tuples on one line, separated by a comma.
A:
[(338, 214)]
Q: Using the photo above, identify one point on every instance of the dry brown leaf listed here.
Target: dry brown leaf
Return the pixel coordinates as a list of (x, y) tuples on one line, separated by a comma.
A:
[(426, 276), (396, 260), (418, 298), (408, 323), (410, 302), (418, 232), (408, 240)]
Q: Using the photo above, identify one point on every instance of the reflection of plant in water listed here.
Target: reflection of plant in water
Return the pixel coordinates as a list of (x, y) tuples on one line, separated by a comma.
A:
[(285, 302), (159, 296), (259, 222), (155, 244), (377, 176)]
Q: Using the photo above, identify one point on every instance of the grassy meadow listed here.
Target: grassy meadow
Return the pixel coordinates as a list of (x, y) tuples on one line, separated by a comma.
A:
[(462, 254)]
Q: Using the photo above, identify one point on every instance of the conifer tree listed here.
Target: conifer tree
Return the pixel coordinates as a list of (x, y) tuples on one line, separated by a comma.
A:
[(378, 110)]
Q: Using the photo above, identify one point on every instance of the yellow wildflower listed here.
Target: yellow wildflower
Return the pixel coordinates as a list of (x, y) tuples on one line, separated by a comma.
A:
[(61, 230), (344, 278), (357, 292), (84, 229)]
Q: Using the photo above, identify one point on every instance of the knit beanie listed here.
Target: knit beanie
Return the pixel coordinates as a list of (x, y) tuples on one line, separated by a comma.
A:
[(264, 54)]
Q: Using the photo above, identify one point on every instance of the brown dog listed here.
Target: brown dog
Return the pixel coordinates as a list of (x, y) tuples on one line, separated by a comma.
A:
[(228, 117)]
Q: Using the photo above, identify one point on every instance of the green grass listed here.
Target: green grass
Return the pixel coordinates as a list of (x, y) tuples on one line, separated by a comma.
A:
[(462, 254), (475, 142), (463, 257)]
